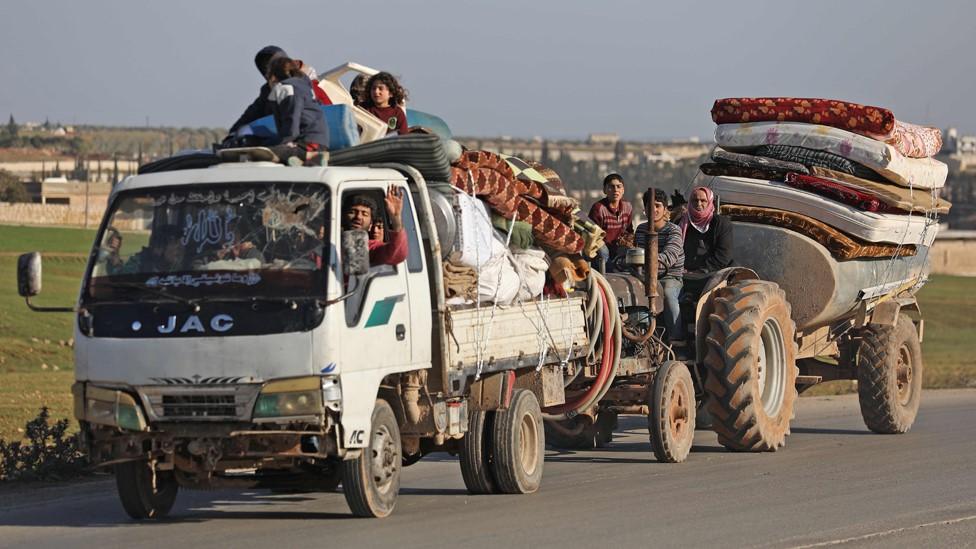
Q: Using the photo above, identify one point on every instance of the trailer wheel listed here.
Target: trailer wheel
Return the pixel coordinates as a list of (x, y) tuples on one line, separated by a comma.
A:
[(889, 376), (519, 445), (671, 421), (371, 482), (139, 498), (579, 433), (751, 361), (476, 454)]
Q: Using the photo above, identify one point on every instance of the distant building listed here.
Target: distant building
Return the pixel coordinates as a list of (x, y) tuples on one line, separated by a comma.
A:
[(59, 190)]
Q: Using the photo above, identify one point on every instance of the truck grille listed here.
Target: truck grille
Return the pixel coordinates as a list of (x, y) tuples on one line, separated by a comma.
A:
[(200, 402)]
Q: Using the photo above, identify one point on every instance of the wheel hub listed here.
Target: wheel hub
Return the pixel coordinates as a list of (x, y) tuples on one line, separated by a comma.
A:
[(679, 411), (903, 375), (771, 365), (384, 459), (528, 444)]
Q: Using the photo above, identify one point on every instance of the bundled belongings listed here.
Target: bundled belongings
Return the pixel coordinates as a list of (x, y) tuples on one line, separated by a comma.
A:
[(876, 155), (851, 177), (874, 122)]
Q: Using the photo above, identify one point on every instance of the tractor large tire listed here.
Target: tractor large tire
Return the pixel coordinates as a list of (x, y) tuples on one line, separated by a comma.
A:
[(751, 361), (671, 421), (889, 376), (519, 445), (140, 499), (476, 454), (371, 482)]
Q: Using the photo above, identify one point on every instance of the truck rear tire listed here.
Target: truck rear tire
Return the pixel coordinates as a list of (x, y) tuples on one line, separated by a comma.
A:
[(671, 421), (135, 485), (371, 482), (889, 376), (519, 445), (751, 361), (476, 454)]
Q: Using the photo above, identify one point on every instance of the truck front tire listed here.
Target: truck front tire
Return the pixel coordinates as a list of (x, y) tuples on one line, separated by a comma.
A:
[(139, 498), (751, 363), (371, 482), (888, 362), (519, 445)]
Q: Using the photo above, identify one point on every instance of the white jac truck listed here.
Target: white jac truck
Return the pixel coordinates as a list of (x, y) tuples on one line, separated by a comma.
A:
[(229, 333)]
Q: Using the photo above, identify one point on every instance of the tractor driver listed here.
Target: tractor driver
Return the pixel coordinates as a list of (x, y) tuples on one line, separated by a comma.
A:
[(359, 212)]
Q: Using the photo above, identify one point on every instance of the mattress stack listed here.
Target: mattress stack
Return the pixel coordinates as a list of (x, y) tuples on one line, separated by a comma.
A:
[(851, 177)]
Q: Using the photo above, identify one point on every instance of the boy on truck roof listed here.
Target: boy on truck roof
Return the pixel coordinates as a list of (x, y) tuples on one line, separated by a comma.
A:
[(358, 213)]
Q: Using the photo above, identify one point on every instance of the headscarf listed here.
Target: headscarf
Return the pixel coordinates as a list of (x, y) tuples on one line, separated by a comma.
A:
[(700, 220)]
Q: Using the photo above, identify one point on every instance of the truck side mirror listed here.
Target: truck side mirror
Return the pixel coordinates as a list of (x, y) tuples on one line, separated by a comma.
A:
[(29, 274), (355, 253)]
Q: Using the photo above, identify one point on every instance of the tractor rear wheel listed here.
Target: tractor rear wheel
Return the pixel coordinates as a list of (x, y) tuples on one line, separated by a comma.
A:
[(751, 363)]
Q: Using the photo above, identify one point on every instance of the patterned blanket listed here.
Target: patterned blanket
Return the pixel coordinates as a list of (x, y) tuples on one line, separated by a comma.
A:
[(490, 177), (829, 112), (840, 245), (881, 157), (918, 201), (811, 157), (841, 193)]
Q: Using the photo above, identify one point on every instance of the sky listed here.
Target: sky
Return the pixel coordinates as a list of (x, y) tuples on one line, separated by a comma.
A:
[(645, 70)]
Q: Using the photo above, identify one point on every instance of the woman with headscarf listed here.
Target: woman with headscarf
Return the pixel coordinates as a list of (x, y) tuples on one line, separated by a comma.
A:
[(707, 236)]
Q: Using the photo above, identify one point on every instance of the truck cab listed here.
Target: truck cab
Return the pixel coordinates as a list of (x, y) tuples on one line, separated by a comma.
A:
[(230, 332)]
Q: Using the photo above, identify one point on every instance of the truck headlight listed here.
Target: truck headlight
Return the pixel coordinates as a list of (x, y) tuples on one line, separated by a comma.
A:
[(110, 407), (290, 397)]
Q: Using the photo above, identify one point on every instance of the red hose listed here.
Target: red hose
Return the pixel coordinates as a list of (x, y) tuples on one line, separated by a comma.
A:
[(607, 361)]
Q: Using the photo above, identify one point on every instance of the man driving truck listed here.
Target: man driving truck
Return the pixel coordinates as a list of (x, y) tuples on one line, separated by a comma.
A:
[(359, 212)]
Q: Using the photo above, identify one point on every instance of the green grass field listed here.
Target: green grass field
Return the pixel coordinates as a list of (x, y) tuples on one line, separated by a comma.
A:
[(36, 367)]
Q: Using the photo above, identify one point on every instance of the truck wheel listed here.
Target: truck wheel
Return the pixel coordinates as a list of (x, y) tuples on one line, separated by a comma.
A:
[(371, 482), (889, 376), (671, 421), (139, 499), (476, 454), (519, 445), (751, 363)]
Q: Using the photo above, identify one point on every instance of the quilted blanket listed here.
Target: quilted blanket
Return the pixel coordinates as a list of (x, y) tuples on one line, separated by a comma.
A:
[(840, 245), (881, 157), (731, 170), (840, 192), (811, 158), (752, 161), (863, 119), (917, 201), (914, 141), (491, 178)]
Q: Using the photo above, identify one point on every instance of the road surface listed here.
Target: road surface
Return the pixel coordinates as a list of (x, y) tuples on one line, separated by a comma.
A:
[(833, 484)]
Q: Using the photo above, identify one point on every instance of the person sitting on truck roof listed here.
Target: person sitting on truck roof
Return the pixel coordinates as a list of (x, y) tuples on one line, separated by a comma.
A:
[(613, 214), (358, 213), (301, 124), (670, 257), (357, 89), (384, 97), (261, 107)]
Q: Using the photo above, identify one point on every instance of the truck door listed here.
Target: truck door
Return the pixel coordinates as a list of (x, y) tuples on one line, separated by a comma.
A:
[(418, 288), (378, 316)]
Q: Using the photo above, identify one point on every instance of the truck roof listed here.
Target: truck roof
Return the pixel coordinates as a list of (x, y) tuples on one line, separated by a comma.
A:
[(242, 172)]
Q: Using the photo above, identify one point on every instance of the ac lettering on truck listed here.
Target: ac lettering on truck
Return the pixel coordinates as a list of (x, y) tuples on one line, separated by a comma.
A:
[(219, 323)]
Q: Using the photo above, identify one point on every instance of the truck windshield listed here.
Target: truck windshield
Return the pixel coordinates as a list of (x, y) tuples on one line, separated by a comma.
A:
[(190, 242)]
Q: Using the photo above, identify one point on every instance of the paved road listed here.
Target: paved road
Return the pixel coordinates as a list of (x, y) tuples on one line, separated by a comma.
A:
[(834, 483)]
